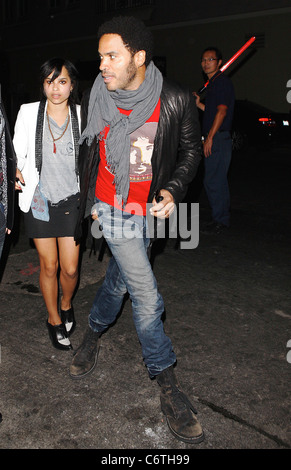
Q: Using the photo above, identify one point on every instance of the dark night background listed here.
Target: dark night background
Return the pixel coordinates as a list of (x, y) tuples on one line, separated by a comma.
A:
[(34, 30), (227, 301)]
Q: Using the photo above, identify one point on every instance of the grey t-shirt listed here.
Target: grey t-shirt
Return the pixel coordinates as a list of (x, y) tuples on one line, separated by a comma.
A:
[(58, 176)]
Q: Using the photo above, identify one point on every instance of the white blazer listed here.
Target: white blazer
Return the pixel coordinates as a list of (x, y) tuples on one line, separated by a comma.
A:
[(24, 144)]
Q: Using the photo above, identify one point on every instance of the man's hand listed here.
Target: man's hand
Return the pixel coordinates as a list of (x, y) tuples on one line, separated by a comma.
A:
[(207, 146), (218, 120), (198, 102), (164, 208)]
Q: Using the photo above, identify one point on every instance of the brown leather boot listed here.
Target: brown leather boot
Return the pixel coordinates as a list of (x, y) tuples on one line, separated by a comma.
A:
[(85, 358), (179, 412)]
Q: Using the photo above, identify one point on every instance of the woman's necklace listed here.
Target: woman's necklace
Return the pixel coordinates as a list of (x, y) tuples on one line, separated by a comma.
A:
[(58, 138)]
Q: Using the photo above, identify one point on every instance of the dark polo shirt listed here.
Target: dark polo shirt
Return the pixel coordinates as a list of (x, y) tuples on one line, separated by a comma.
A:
[(219, 91)]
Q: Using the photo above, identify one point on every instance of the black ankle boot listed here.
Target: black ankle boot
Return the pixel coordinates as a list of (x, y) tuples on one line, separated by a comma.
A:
[(85, 358), (59, 336), (68, 319), (179, 412)]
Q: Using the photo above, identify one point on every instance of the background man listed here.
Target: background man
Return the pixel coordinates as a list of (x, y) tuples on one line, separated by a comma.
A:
[(129, 103), (217, 120)]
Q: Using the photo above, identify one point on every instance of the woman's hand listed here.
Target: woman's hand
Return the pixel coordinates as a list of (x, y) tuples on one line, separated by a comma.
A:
[(94, 214), (19, 179)]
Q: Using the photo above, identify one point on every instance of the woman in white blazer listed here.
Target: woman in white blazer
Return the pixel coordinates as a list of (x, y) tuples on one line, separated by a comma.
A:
[(46, 144)]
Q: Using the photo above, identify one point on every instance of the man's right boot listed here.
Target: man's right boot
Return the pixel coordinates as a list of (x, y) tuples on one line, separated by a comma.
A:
[(177, 408), (85, 358)]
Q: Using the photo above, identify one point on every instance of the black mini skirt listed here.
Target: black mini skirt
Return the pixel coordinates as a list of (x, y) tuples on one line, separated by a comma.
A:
[(62, 220)]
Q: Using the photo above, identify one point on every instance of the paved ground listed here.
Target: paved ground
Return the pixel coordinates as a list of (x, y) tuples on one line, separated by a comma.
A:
[(228, 315)]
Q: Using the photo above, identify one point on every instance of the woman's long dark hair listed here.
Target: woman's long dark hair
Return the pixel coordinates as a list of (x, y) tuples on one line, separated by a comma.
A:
[(55, 65)]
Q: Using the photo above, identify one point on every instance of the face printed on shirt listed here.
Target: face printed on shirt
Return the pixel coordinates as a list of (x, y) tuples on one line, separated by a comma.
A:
[(142, 145)]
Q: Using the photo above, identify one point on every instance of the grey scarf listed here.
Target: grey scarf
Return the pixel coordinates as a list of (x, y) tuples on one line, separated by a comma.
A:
[(102, 112)]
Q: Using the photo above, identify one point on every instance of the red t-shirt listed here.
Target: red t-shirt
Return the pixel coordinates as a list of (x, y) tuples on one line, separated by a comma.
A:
[(140, 173)]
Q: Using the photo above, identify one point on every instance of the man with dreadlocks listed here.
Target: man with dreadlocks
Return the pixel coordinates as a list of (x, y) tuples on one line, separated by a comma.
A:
[(141, 137)]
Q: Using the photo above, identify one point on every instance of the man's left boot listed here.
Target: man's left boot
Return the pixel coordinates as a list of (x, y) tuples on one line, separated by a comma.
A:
[(179, 412)]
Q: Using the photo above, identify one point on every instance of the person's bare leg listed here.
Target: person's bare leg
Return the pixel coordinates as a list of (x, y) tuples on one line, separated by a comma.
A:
[(69, 259), (48, 258)]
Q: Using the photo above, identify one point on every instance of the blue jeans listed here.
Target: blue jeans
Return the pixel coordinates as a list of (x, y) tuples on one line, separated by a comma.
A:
[(215, 178), (129, 270), (2, 227)]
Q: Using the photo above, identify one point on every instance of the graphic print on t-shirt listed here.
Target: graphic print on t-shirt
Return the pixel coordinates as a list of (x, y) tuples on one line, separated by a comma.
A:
[(140, 171), (141, 150)]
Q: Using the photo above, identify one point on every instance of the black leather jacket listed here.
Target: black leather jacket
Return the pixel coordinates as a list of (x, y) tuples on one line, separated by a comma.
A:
[(176, 155)]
